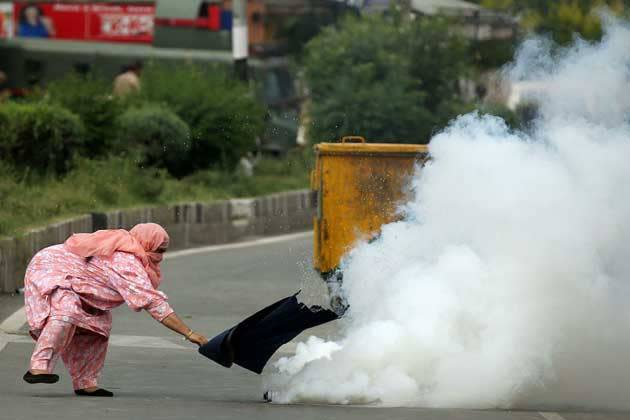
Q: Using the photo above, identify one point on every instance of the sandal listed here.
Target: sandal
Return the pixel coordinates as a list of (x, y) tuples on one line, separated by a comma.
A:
[(100, 392), (42, 378)]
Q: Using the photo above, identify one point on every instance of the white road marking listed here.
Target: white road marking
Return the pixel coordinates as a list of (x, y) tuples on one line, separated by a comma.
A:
[(18, 338), (238, 245), (139, 341), (115, 340), (551, 416), (3, 341), (147, 342), (13, 323)]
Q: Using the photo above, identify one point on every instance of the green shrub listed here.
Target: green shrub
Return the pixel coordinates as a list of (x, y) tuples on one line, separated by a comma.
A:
[(222, 113), (225, 185), (157, 136), (92, 185), (90, 98), (8, 186), (270, 175), (296, 164), (117, 182), (39, 137)]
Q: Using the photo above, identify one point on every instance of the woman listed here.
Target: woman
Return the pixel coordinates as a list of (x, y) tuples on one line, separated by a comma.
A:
[(70, 289), (34, 24)]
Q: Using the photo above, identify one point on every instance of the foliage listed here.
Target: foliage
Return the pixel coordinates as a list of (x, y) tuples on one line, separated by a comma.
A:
[(438, 61), (299, 29), (117, 153), (384, 78), (156, 136), (90, 185), (560, 19), (116, 182), (223, 116), (511, 118), (494, 53), (38, 136), (89, 97), (270, 177)]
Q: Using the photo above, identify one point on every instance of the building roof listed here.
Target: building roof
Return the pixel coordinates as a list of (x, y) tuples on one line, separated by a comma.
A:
[(434, 7), (453, 8), (425, 7)]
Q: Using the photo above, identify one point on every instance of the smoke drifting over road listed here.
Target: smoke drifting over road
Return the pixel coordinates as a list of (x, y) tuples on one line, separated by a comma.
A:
[(508, 282)]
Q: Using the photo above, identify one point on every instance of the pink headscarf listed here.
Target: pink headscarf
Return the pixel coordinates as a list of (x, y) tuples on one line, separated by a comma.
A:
[(142, 241)]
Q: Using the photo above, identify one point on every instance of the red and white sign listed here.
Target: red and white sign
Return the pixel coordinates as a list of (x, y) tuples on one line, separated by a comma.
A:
[(121, 23), (108, 22), (6, 20)]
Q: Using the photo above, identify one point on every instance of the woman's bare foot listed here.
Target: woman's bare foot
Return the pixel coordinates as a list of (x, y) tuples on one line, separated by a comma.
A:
[(38, 372)]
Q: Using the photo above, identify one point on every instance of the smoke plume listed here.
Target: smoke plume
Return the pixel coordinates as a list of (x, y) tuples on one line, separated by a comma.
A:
[(507, 284)]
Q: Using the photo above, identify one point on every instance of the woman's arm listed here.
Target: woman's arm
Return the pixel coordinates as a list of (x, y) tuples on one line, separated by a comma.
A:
[(135, 288), (174, 323)]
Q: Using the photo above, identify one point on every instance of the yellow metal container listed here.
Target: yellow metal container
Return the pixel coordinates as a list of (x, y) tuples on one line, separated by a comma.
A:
[(359, 188)]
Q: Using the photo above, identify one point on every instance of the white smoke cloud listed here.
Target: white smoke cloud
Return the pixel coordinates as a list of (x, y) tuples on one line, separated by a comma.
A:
[(508, 283)]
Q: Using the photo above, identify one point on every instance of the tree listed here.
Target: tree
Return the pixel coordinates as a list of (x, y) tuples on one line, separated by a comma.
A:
[(383, 77), (299, 29), (560, 19)]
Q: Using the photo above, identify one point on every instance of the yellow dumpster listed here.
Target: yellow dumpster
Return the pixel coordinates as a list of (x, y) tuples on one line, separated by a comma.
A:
[(359, 187)]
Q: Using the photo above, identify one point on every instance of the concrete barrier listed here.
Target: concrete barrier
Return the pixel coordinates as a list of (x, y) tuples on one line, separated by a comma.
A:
[(188, 224), (15, 253)]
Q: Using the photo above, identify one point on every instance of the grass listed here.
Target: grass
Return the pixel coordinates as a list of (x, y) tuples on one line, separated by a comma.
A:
[(28, 201)]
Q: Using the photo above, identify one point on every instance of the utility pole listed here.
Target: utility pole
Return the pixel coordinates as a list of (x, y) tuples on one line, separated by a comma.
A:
[(405, 9), (240, 44)]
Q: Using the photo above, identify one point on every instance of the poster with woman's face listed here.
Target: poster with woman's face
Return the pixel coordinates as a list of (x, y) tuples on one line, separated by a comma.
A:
[(33, 22), (110, 22)]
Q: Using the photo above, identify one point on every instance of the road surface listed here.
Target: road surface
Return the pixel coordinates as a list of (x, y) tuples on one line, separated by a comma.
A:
[(156, 375)]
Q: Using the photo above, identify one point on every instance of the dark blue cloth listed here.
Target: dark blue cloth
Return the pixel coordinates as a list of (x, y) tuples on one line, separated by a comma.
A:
[(252, 342), (226, 20), (33, 31)]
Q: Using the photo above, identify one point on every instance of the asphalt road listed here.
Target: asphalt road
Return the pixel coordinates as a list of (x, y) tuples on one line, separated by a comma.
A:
[(157, 376)]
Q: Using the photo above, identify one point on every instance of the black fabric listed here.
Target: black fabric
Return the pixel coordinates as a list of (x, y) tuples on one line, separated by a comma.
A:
[(252, 342)]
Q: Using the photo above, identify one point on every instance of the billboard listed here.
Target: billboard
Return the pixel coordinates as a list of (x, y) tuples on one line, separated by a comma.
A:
[(108, 22), (6, 20)]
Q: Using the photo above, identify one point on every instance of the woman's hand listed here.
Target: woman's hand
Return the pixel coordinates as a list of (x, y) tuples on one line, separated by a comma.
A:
[(198, 339), (174, 323)]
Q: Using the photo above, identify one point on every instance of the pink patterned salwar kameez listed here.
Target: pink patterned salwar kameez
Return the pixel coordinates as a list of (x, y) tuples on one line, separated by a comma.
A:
[(68, 301)]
